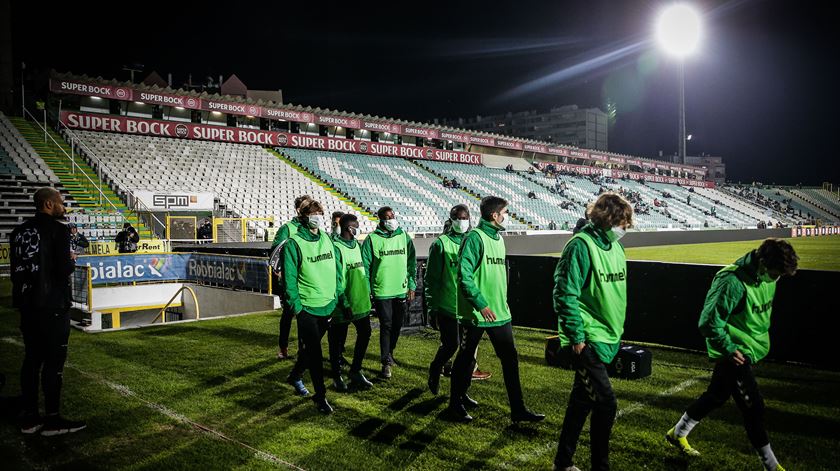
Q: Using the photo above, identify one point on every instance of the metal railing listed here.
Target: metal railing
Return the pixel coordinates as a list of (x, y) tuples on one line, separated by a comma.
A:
[(132, 200), (162, 314)]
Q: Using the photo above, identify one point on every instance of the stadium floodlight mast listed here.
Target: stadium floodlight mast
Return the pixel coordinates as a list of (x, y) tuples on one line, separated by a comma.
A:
[(678, 32)]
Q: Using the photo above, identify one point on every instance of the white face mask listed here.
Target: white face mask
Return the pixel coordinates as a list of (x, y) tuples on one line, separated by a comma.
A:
[(316, 221), (460, 225), (617, 232), (353, 231), (391, 224)]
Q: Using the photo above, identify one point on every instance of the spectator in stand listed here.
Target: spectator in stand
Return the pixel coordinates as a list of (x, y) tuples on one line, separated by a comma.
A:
[(78, 241), (532, 195), (127, 239), (531, 170), (205, 231), (656, 202), (552, 226), (446, 183), (454, 184)]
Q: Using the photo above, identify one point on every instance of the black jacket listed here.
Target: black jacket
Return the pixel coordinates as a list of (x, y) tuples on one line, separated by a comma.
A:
[(40, 264), (127, 240)]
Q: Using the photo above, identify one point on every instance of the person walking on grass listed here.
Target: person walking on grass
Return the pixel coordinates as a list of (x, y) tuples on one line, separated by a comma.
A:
[(312, 268), (735, 321), (482, 307), (353, 308), (441, 292), (590, 300), (282, 235), (390, 261)]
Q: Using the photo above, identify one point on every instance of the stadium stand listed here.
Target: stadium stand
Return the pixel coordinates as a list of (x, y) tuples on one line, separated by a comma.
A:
[(19, 158), (248, 181), (418, 198), (537, 212), (821, 199)]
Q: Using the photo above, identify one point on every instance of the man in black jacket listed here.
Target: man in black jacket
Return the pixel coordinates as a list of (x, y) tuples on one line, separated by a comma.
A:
[(41, 264), (127, 239)]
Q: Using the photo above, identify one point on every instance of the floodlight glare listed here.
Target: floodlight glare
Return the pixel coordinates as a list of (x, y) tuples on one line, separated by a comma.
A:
[(678, 30)]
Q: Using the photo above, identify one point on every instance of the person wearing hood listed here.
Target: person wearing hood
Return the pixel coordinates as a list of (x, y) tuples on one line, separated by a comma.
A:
[(313, 270), (389, 259), (590, 300), (735, 321), (483, 308), (441, 291), (283, 234)]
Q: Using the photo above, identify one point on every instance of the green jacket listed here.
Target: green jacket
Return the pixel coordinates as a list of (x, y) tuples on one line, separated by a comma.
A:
[(372, 262), (572, 274), (728, 296), (283, 233), (472, 252), (291, 266), (436, 270)]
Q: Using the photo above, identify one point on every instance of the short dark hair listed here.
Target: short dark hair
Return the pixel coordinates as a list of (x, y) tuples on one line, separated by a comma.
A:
[(346, 219), (300, 199), (490, 205), (381, 213), (458, 208), (43, 195), (336, 215), (777, 255)]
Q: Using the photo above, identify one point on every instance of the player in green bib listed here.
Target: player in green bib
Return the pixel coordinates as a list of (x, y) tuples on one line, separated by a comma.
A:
[(482, 307), (354, 306), (440, 287), (735, 322), (313, 284), (286, 315), (590, 299), (390, 261)]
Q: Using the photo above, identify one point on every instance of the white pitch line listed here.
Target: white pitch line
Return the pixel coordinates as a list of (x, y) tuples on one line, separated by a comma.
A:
[(637, 406), (634, 407), (125, 391)]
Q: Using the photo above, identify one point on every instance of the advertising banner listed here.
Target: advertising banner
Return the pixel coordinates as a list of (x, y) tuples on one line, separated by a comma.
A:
[(206, 132), (135, 267), (175, 201), (222, 270)]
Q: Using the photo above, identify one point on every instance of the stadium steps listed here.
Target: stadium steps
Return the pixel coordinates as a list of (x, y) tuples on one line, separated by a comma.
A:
[(85, 194), (813, 202), (542, 184), (472, 193), (323, 184), (816, 211)]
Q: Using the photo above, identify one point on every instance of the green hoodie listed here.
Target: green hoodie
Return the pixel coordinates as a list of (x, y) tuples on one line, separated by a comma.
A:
[(572, 275), (291, 269), (286, 230), (372, 262), (442, 275), (471, 298), (736, 313)]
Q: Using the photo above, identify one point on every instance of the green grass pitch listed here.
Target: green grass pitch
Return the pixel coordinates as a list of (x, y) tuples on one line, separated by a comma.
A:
[(815, 253), (210, 395)]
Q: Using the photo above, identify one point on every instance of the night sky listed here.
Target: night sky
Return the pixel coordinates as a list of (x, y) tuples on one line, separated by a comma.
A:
[(761, 92)]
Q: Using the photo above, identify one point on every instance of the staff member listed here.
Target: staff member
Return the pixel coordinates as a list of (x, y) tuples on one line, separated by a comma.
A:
[(41, 264), (283, 234), (354, 307), (736, 322), (441, 292), (389, 259), (483, 307), (313, 270), (590, 299)]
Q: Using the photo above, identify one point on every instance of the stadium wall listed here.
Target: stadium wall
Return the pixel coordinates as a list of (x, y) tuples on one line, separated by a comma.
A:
[(664, 302)]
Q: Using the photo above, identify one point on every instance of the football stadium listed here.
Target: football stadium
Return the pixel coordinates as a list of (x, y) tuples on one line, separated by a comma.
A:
[(222, 240)]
